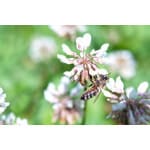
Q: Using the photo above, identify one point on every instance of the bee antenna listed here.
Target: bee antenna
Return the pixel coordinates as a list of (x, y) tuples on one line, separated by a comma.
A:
[(109, 73)]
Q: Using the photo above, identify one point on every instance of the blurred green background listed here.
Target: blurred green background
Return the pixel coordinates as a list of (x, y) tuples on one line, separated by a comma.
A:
[(24, 80)]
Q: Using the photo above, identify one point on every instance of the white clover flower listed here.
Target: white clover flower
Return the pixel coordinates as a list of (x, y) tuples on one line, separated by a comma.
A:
[(11, 119), (67, 108), (131, 106), (85, 64), (68, 31), (52, 93), (20, 121), (122, 62), (3, 103), (42, 48)]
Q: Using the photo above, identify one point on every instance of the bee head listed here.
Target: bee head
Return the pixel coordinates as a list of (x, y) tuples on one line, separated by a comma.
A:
[(104, 77)]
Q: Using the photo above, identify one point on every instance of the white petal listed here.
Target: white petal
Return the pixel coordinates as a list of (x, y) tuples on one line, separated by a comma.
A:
[(104, 47), (65, 80), (119, 85), (2, 109), (110, 84), (87, 40), (57, 106), (64, 59), (142, 87), (83, 43), (93, 52), (67, 50), (49, 97), (75, 91), (51, 88), (131, 93), (109, 94), (20, 121), (69, 104), (2, 98), (62, 88), (1, 91), (69, 73)]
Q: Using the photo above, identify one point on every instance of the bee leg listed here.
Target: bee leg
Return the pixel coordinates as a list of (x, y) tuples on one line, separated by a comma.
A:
[(86, 87), (96, 98)]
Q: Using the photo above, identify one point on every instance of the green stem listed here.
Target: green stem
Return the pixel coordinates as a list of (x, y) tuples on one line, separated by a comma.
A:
[(84, 114)]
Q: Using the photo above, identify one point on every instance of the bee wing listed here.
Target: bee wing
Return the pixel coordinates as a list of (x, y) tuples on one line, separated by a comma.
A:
[(97, 96)]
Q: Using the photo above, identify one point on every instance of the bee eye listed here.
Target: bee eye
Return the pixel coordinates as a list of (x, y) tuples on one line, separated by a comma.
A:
[(105, 78)]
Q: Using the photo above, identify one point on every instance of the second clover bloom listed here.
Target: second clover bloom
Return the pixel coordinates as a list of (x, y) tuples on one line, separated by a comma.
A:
[(42, 48), (130, 106), (66, 106), (67, 31), (123, 63), (85, 64)]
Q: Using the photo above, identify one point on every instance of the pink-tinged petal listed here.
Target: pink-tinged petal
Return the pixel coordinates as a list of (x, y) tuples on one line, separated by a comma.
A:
[(79, 43), (142, 88), (119, 85), (64, 59), (83, 43)]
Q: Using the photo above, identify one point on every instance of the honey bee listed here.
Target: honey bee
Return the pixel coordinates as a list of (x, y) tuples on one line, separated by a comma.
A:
[(98, 83)]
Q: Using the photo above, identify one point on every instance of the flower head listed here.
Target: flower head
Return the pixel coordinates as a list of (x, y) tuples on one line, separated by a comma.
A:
[(3, 103), (68, 31), (67, 108), (11, 119), (123, 63), (85, 64), (42, 48), (130, 106)]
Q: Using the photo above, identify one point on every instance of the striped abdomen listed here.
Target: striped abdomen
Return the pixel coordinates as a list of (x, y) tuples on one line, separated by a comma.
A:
[(90, 93)]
